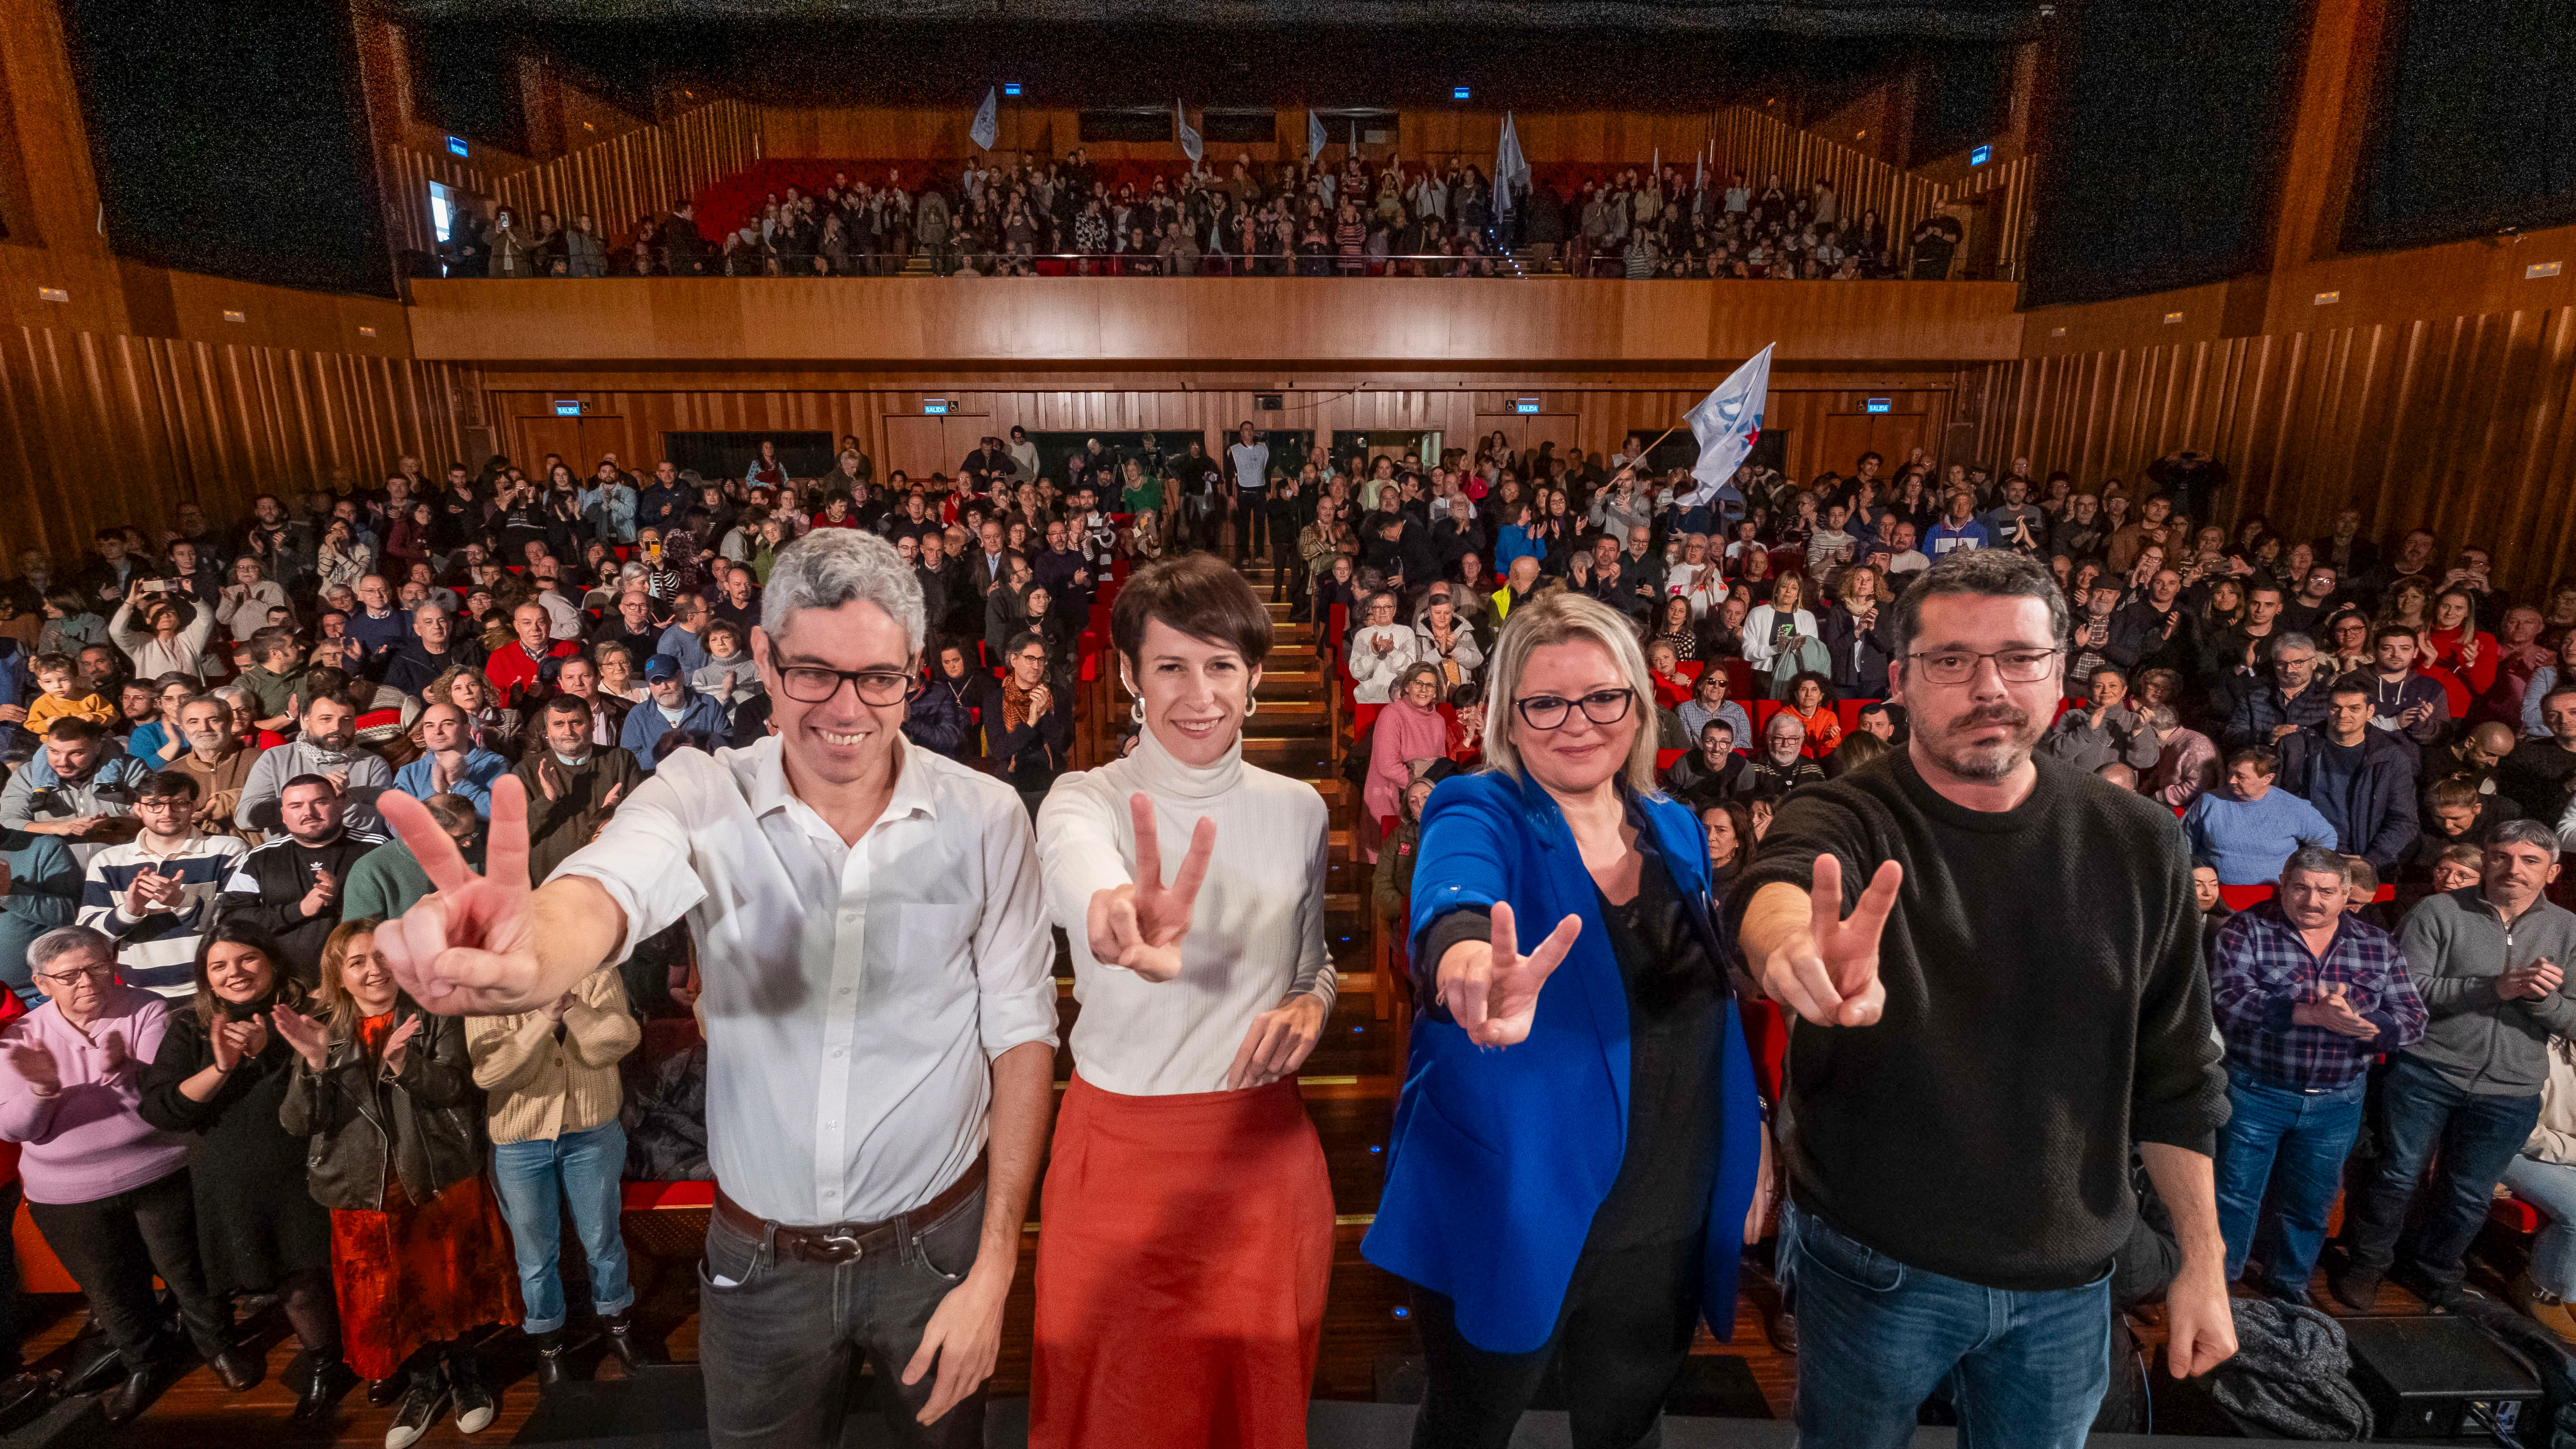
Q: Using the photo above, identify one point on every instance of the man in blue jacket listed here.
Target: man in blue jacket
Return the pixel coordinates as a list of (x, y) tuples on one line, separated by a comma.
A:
[(2360, 779), (671, 705)]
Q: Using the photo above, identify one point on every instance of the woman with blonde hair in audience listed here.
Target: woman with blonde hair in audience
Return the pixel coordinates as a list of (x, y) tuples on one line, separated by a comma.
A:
[(619, 675), (384, 1093), (1574, 1159), (490, 726), (1774, 627), (219, 1080), (1201, 998)]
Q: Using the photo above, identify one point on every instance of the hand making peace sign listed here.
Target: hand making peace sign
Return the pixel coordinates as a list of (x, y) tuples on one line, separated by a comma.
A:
[(470, 947), (1140, 926), (1829, 975), (1491, 989)]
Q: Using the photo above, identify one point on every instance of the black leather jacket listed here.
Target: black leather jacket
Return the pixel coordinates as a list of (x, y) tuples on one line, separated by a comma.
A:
[(426, 1122)]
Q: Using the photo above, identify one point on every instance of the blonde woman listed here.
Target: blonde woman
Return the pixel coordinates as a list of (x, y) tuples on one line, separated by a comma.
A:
[(385, 1094), (1574, 1159)]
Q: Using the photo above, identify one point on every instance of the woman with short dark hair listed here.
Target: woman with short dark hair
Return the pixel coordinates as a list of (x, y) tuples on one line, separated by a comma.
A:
[(1189, 1235)]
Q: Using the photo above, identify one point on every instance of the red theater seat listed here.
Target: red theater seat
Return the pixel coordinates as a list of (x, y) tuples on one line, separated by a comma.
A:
[(1664, 759)]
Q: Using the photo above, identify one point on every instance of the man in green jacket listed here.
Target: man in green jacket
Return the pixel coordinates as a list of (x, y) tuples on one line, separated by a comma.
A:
[(388, 880)]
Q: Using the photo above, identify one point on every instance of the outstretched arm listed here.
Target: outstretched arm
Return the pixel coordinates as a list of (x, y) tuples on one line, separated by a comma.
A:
[(1808, 957), (487, 945)]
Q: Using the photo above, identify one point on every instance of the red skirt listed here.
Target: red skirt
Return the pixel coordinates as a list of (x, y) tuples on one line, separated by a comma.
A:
[(1185, 1247), (408, 1277)]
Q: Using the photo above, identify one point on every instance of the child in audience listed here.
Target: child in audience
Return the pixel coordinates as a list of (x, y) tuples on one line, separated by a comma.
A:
[(62, 695)]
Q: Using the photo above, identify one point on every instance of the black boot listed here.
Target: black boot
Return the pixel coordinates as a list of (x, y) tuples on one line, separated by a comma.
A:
[(475, 1401), (381, 1392), (237, 1369), (551, 1369), (23, 1396), (129, 1399), (320, 1388), (633, 1355)]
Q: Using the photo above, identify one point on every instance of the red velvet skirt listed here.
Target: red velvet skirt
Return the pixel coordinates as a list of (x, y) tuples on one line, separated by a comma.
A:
[(1185, 1247), (408, 1276)]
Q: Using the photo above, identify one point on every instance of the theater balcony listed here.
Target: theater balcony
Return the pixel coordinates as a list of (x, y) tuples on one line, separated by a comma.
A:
[(1419, 324)]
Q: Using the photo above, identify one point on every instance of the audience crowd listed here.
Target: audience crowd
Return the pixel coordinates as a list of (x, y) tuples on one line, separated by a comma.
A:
[(1014, 215), (209, 1077)]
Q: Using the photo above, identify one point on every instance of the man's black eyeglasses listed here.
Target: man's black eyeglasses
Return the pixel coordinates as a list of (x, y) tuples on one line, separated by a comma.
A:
[(807, 684), (1602, 707)]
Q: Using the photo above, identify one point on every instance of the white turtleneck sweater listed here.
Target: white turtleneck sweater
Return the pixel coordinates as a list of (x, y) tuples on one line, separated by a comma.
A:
[(1256, 934)]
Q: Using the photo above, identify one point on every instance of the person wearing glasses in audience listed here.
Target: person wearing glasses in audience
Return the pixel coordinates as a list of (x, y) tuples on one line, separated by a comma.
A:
[(2015, 999), (109, 1190), (1201, 997), (1031, 735), (1577, 1145), (878, 1001)]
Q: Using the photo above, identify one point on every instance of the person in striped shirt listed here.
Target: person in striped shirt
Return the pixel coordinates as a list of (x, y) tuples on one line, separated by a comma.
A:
[(154, 896)]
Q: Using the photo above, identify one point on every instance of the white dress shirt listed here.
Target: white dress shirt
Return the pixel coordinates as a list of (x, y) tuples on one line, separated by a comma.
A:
[(855, 996), (1256, 933)]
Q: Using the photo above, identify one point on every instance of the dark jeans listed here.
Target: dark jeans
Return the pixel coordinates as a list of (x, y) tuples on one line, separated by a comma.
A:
[(10, 1334), (2026, 1370), (112, 1247), (2478, 1137), (779, 1338), (2294, 1143), (1251, 526), (1619, 1343)]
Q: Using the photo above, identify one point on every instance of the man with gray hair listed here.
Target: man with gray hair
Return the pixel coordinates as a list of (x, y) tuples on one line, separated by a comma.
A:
[(2290, 701), (2307, 995), (878, 998), (2489, 961)]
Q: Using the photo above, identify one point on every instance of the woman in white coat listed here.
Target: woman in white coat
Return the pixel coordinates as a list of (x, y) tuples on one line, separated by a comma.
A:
[(1381, 649)]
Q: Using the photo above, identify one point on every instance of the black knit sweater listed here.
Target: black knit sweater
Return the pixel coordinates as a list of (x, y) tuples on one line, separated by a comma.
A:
[(2046, 1007)]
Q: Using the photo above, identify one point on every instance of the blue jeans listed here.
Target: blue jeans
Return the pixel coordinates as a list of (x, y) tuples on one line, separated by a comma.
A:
[(2293, 1143), (2478, 1137), (1877, 1338), (2550, 1187), (579, 1170)]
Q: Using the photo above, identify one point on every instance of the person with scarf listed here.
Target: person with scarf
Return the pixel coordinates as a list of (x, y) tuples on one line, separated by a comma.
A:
[(1189, 1240)]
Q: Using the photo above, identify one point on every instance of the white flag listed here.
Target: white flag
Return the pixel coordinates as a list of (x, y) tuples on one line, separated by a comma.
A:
[(987, 127), (1189, 139), (1727, 423), (1511, 168), (1699, 172), (1314, 135)]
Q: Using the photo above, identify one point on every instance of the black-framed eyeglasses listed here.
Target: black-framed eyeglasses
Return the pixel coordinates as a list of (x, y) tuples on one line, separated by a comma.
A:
[(99, 972), (1957, 666), (1548, 712), (808, 684)]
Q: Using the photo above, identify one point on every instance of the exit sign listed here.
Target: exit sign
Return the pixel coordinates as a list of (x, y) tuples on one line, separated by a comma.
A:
[(935, 406), (567, 408), (1981, 155), (1524, 404), (1878, 405), (456, 146)]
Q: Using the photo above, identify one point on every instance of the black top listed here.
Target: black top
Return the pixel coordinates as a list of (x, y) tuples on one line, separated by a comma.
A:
[(256, 1223), (1675, 992), (2046, 1007)]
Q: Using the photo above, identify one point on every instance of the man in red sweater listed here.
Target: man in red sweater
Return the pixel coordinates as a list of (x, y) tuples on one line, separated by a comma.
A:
[(517, 669)]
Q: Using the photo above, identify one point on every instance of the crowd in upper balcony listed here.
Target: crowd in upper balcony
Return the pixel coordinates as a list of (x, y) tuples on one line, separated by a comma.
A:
[(1015, 215)]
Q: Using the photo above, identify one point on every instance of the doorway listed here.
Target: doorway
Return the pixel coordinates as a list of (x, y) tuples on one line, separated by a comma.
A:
[(1363, 447)]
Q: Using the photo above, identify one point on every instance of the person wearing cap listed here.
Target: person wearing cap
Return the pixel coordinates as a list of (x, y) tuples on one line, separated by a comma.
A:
[(669, 704)]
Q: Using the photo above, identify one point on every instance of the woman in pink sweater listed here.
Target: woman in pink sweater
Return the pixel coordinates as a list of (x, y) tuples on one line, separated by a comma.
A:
[(1409, 728)]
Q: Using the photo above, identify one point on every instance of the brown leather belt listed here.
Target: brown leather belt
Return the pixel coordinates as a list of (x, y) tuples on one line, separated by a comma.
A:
[(846, 1242)]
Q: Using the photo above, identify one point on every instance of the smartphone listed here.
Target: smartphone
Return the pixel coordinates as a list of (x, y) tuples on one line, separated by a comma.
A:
[(157, 586)]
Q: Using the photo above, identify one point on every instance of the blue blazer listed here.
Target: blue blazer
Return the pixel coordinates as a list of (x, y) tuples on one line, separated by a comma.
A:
[(1500, 1159)]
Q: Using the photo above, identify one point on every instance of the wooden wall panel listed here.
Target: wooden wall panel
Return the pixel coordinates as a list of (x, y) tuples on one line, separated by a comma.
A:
[(2460, 426), (1409, 324), (615, 181), (119, 429), (886, 418)]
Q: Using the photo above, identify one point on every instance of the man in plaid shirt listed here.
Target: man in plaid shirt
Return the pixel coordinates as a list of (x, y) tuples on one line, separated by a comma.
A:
[(2305, 994)]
